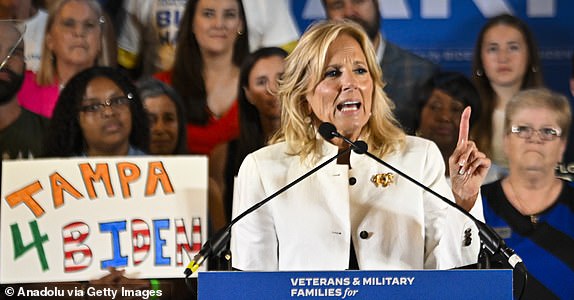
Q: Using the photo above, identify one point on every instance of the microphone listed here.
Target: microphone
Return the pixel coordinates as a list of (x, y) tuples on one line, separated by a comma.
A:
[(328, 131), (212, 246), (490, 239), (215, 244)]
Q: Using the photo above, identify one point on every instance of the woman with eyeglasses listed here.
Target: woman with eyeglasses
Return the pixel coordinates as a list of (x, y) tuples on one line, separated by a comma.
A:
[(531, 208), (98, 113), (77, 37)]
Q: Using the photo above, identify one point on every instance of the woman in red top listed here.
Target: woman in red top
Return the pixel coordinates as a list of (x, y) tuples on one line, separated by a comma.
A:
[(212, 43)]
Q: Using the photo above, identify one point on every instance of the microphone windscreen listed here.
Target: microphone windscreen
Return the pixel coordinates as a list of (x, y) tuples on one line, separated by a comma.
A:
[(327, 130), (360, 147)]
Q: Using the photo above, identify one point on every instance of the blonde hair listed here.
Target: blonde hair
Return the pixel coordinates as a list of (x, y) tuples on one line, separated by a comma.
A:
[(304, 70), (47, 70), (540, 98)]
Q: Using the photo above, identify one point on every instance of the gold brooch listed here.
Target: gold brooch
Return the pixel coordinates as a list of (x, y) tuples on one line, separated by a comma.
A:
[(383, 179)]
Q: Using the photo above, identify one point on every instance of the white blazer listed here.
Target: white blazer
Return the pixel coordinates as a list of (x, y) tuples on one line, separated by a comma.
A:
[(310, 226)]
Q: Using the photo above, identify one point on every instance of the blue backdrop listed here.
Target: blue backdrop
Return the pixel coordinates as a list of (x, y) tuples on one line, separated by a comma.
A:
[(445, 31)]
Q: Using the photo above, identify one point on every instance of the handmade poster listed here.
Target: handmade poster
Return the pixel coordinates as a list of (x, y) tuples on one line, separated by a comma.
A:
[(71, 219)]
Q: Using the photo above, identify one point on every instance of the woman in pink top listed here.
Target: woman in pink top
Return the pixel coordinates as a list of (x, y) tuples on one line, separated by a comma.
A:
[(73, 42)]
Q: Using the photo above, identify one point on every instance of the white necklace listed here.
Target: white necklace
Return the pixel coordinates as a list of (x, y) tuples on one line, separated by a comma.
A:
[(61, 83)]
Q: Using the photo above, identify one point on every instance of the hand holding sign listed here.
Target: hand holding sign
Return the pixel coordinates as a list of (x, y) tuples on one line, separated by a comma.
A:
[(467, 166), (118, 282)]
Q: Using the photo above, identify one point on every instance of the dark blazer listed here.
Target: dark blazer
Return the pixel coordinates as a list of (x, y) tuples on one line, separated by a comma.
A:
[(403, 73)]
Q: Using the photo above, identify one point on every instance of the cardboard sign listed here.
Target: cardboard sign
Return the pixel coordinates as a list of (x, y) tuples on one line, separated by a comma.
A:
[(71, 219)]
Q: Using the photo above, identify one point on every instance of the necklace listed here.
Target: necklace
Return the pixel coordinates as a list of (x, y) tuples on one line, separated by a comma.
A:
[(534, 218), (61, 84)]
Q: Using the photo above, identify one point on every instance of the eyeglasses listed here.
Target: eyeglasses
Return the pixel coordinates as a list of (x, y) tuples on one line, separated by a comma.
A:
[(9, 26), (114, 103), (545, 133), (11, 52), (87, 26)]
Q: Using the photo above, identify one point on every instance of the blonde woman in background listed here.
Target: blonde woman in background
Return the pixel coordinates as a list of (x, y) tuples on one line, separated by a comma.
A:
[(77, 37), (532, 209)]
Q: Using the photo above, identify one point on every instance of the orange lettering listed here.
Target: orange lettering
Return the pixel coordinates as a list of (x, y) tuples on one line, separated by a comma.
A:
[(59, 185), (127, 173), (101, 173), (157, 173), (25, 195)]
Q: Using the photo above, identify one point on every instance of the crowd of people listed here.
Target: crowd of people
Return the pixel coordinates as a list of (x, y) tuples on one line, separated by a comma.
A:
[(234, 80)]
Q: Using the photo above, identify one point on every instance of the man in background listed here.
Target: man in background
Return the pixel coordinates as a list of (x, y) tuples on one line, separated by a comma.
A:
[(21, 131)]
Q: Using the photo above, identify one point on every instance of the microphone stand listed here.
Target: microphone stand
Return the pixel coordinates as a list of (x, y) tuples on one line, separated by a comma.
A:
[(216, 244), (491, 241)]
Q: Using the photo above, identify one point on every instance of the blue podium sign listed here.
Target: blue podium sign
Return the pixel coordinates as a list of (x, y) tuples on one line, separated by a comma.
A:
[(419, 284)]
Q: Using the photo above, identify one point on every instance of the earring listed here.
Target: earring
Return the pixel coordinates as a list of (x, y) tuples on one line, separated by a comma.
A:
[(478, 73), (239, 32), (534, 69), (310, 129)]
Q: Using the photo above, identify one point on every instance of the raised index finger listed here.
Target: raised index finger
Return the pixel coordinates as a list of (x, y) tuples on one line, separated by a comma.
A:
[(464, 126)]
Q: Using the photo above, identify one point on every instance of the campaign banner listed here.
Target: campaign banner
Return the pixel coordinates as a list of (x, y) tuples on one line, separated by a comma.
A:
[(72, 219), (409, 284), (445, 31)]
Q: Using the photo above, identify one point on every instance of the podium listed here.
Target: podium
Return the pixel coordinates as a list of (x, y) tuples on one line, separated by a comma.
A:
[(412, 284)]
